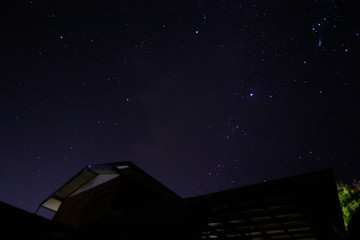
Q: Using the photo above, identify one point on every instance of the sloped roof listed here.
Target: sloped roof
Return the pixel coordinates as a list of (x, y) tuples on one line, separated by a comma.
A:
[(94, 175)]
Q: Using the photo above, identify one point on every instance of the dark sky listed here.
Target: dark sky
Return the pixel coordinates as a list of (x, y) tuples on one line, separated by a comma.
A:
[(202, 95)]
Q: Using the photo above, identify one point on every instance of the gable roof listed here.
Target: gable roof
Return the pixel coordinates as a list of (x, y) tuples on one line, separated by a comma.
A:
[(94, 175)]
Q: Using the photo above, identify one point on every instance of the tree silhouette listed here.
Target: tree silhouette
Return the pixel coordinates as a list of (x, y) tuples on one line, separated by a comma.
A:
[(349, 196)]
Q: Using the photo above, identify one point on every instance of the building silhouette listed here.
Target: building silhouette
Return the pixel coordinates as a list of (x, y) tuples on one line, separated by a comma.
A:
[(119, 199)]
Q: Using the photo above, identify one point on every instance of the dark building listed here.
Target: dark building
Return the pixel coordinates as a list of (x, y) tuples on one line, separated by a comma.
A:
[(116, 198), (19, 224), (119, 199), (301, 207)]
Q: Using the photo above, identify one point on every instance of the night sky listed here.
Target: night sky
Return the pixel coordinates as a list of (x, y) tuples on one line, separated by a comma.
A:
[(203, 95)]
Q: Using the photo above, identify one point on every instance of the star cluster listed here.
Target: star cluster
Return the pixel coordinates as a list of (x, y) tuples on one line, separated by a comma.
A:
[(203, 95)]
